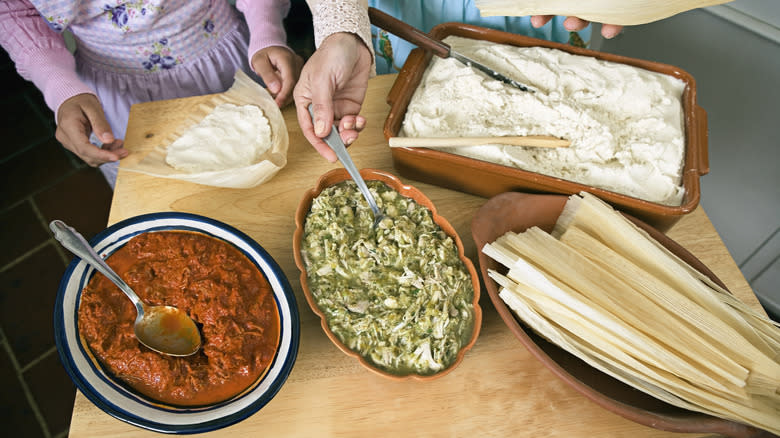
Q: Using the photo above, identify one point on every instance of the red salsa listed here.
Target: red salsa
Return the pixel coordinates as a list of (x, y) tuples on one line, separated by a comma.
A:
[(216, 284)]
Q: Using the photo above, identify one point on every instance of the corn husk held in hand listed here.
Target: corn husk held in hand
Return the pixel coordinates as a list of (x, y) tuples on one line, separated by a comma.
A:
[(602, 289), (624, 12)]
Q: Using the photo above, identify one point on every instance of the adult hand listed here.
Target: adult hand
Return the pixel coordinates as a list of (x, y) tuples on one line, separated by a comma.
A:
[(77, 118), (334, 80), (574, 24), (279, 67)]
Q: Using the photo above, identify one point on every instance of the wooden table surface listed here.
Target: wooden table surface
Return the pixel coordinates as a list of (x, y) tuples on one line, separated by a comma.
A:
[(498, 390)]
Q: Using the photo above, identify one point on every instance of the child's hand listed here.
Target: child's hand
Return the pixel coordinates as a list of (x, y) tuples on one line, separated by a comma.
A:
[(575, 24), (77, 118), (279, 68)]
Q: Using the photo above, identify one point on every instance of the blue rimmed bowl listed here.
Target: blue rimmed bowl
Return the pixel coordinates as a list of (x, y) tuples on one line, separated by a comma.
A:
[(113, 397)]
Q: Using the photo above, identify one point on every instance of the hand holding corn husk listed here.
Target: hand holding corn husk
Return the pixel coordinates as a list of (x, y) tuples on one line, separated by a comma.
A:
[(602, 289), (624, 12)]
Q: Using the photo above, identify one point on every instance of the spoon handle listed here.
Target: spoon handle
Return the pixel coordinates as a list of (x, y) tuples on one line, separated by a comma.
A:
[(75, 243), (334, 141)]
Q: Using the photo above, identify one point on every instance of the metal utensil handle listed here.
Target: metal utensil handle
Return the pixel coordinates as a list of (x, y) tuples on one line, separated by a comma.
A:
[(407, 32), (334, 141), (75, 243), (341, 152)]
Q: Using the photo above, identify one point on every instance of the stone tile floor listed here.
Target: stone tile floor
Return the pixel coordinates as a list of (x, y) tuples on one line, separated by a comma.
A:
[(41, 181)]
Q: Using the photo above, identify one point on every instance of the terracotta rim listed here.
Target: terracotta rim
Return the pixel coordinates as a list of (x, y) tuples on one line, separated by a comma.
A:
[(593, 384), (338, 175), (416, 163)]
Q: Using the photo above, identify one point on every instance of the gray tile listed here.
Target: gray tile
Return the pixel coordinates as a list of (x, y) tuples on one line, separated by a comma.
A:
[(20, 232), (28, 292), (762, 258), (766, 289), (18, 417), (736, 72), (53, 391)]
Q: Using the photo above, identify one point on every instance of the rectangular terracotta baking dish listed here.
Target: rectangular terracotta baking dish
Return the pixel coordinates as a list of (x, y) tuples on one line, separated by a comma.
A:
[(487, 179)]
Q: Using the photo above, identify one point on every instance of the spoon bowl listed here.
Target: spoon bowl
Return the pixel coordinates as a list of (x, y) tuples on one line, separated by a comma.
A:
[(164, 329)]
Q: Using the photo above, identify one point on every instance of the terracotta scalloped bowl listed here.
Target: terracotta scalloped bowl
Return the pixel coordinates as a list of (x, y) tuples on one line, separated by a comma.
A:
[(514, 211), (338, 175)]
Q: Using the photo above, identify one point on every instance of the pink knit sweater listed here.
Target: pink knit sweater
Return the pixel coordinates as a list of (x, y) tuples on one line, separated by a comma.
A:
[(41, 56)]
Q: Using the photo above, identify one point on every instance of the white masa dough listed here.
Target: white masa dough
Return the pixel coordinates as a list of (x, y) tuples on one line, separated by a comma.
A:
[(625, 124), (231, 136)]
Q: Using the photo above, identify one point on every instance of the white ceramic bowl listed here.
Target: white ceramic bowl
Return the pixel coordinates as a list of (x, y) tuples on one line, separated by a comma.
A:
[(115, 398)]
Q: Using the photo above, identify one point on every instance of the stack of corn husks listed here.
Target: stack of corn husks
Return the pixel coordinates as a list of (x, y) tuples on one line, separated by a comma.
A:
[(602, 289)]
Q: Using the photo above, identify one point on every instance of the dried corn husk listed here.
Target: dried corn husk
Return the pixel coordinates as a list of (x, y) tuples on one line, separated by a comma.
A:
[(601, 288), (244, 91), (627, 12)]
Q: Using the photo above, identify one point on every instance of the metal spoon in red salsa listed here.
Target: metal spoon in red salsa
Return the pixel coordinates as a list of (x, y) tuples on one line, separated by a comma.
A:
[(216, 284)]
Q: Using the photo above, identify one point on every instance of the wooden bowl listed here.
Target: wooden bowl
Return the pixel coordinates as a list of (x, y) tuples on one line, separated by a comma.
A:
[(514, 211), (338, 175)]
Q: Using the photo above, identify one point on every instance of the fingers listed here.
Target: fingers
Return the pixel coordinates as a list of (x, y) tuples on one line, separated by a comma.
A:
[(303, 98), (574, 24), (360, 123), (346, 122), (540, 20), (97, 120), (263, 67), (290, 71), (611, 30), (350, 127), (322, 107), (111, 148), (77, 142), (348, 136), (77, 118), (607, 30), (117, 146), (279, 68), (307, 127)]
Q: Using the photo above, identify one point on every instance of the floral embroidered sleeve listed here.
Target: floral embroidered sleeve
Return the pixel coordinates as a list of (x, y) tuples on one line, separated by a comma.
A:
[(39, 52), (265, 21)]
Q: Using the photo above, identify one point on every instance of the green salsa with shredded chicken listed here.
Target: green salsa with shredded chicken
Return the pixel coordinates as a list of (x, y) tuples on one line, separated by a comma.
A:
[(397, 294)]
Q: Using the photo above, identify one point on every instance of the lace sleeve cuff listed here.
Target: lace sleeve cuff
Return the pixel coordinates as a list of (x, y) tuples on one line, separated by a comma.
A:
[(332, 16)]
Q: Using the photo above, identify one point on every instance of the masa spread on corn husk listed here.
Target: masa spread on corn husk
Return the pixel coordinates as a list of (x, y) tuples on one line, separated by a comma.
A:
[(625, 123), (231, 136), (398, 294)]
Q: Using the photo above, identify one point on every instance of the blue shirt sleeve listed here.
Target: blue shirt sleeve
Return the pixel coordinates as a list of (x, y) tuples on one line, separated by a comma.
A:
[(391, 51)]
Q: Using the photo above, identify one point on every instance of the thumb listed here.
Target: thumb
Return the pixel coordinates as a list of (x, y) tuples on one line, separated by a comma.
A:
[(263, 67), (322, 107), (100, 126)]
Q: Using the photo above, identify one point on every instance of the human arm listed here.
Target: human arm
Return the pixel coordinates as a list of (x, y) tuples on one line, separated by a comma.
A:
[(269, 55), (40, 56), (334, 80)]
